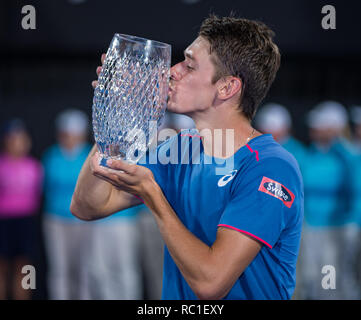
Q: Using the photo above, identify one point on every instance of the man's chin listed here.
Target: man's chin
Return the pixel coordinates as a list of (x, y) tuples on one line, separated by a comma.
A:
[(171, 107), (175, 108)]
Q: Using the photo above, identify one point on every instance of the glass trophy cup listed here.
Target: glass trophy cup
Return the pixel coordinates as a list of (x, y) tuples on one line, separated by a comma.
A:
[(131, 97)]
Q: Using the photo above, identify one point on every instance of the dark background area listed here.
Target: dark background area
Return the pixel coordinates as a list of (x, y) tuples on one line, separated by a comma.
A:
[(49, 69)]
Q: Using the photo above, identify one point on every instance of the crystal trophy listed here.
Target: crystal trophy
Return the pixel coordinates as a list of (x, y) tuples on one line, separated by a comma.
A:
[(131, 97)]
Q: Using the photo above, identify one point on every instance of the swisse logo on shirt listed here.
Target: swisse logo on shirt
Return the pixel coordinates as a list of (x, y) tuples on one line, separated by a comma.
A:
[(277, 190)]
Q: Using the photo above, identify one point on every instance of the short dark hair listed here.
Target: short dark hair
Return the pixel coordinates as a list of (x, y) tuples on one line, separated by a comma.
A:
[(244, 49)]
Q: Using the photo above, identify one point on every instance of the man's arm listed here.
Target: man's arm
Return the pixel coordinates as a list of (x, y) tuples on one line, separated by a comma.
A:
[(210, 271), (95, 198)]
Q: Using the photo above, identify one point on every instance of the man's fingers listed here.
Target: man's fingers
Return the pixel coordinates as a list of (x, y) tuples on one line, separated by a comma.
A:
[(95, 82), (117, 178), (120, 165), (96, 167), (98, 70), (115, 174), (117, 184)]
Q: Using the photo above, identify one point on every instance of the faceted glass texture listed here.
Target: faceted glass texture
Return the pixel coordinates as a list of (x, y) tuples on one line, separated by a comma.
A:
[(131, 96)]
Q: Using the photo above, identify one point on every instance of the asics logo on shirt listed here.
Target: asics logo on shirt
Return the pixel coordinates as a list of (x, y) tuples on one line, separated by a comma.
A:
[(225, 179)]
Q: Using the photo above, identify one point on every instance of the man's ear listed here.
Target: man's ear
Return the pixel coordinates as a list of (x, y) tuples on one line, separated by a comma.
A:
[(228, 87)]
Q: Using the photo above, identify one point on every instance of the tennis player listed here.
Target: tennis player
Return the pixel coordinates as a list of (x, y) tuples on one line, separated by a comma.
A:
[(234, 236)]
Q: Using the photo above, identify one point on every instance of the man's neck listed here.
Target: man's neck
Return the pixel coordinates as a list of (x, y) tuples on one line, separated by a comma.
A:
[(223, 133)]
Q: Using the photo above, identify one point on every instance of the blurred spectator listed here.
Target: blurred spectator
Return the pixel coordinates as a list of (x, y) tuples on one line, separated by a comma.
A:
[(66, 237), (328, 199), (85, 260), (20, 192), (151, 250), (275, 119), (113, 264)]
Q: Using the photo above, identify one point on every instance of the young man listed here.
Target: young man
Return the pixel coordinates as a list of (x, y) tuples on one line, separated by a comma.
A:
[(234, 236)]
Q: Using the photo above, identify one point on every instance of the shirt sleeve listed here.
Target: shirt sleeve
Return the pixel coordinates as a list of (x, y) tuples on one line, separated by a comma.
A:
[(263, 200)]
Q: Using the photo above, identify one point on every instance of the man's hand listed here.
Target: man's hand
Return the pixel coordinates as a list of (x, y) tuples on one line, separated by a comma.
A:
[(131, 178), (98, 70)]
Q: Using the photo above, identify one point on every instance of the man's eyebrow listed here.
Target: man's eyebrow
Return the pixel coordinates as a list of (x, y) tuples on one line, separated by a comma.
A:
[(188, 54)]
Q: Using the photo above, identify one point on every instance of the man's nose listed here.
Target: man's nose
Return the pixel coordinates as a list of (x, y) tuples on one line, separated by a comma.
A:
[(176, 72)]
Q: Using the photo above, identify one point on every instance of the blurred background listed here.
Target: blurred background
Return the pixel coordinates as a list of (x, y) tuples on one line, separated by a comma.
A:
[(46, 73)]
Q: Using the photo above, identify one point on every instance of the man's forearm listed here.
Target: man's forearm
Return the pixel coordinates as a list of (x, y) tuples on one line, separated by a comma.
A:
[(91, 193)]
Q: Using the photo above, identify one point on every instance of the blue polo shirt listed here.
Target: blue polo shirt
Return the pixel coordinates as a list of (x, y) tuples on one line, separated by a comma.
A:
[(258, 192), (61, 173), (328, 190)]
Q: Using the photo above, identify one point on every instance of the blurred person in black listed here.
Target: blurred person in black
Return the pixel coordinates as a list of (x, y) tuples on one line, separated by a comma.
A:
[(20, 193)]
